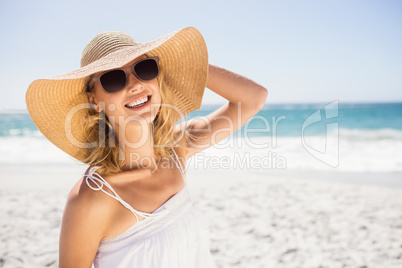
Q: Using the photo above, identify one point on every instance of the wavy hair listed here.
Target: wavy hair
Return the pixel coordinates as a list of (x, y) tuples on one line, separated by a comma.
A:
[(97, 128)]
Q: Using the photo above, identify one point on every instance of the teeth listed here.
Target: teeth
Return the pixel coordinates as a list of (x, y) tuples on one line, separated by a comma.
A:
[(136, 103)]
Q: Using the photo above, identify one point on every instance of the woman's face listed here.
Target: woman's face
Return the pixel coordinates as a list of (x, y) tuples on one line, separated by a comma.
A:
[(115, 104)]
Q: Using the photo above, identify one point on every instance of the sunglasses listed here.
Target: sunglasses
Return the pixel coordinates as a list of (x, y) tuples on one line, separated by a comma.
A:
[(115, 80)]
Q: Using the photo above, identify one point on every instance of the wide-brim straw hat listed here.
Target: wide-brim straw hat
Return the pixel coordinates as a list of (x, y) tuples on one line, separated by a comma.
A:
[(57, 105)]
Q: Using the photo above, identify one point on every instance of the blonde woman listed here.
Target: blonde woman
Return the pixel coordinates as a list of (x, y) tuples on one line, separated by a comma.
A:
[(117, 114)]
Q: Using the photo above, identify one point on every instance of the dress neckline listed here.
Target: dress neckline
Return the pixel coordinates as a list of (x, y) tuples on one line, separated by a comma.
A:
[(160, 210)]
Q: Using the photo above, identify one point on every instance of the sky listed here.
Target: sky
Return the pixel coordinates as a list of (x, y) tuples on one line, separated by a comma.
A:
[(300, 51)]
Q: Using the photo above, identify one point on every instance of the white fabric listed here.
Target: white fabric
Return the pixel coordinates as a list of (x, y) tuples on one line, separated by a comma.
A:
[(175, 235)]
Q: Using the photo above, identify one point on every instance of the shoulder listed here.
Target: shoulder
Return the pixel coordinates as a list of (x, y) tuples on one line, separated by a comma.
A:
[(84, 224), (87, 207), (90, 199)]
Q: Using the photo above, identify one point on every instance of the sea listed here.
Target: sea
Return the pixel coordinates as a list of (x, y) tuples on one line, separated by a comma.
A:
[(333, 136)]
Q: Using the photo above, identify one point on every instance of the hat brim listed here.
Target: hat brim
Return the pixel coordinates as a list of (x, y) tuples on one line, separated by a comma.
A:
[(57, 105)]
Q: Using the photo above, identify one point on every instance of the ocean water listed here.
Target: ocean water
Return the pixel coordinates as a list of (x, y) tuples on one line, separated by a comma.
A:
[(361, 137)]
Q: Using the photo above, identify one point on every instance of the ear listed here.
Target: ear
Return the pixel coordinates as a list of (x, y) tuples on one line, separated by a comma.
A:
[(94, 101)]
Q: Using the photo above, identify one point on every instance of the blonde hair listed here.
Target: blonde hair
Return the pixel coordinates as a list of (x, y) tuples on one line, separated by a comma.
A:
[(98, 129)]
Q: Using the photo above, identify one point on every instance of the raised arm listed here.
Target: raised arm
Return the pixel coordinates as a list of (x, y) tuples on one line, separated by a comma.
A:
[(236, 88), (245, 99)]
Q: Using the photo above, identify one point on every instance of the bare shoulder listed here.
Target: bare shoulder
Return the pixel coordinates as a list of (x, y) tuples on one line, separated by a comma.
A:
[(83, 199), (84, 223)]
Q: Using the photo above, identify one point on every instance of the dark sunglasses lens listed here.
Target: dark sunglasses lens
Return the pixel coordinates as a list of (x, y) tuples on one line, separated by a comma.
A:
[(146, 70), (113, 81)]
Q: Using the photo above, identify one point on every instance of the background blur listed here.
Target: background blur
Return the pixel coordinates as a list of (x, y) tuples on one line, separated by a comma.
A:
[(312, 56), (313, 180), (301, 51)]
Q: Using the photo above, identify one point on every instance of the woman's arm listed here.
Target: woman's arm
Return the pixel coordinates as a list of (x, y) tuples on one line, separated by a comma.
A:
[(81, 229), (236, 88), (245, 99)]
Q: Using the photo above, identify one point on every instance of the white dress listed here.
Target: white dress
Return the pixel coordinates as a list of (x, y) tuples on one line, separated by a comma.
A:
[(175, 235)]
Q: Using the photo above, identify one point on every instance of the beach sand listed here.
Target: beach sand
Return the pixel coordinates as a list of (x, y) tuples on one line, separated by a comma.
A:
[(287, 220)]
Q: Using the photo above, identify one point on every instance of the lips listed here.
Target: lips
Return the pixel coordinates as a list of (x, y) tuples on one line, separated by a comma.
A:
[(137, 98), (142, 106)]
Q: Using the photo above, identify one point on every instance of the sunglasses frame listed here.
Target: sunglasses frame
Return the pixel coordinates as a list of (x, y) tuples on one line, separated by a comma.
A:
[(131, 68)]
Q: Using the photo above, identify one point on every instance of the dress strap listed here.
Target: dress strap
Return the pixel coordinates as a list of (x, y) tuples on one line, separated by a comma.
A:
[(100, 182), (178, 164)]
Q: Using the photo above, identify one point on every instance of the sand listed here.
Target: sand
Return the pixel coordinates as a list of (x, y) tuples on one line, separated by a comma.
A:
[(255, 220)]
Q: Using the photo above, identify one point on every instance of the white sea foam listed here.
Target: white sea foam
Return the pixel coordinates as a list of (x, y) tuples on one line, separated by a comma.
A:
[(359, 150), (30, 150), (370, 134), (353, 151), (25, 132)]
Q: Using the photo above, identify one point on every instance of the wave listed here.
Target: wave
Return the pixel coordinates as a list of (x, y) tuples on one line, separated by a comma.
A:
[(35, 149), (21, 132), (319, 153), (370, 134), (353, 150)]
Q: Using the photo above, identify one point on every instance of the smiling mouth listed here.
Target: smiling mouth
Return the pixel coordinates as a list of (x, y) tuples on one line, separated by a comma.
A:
[(139, 105)]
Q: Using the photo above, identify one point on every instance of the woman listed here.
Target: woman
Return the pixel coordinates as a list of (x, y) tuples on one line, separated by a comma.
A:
[(117, 114)]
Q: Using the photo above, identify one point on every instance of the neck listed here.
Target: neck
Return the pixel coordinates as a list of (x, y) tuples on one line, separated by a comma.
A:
[(136, 143)]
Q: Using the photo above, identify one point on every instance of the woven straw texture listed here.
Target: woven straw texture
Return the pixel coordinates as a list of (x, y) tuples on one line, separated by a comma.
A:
[(57, 105)]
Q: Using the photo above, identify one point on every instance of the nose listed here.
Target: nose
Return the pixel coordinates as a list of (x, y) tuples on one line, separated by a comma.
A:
[(133, 84)]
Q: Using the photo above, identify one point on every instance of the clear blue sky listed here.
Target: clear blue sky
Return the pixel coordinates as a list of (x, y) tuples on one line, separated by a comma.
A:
[(301, 51)]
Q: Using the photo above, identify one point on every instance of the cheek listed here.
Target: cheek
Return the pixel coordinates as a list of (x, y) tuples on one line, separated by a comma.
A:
[(158, 98), (109, 103), (157, 92)]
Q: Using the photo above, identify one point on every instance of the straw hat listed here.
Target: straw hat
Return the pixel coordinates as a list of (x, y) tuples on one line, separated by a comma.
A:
[(57, 105)]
